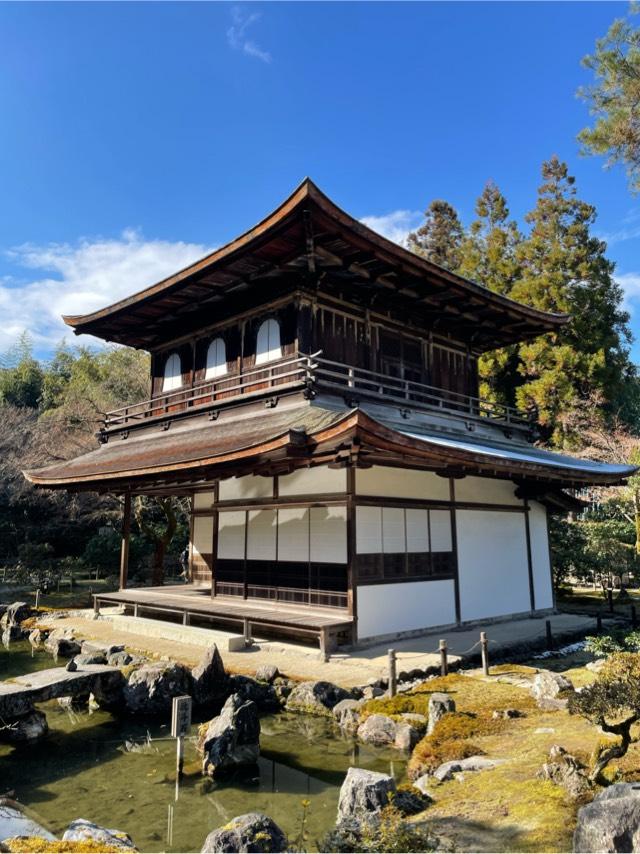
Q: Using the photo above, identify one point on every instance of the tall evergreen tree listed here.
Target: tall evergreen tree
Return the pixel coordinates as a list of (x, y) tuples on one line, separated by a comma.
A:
[(439, 238), (564, 269), (488, 255)]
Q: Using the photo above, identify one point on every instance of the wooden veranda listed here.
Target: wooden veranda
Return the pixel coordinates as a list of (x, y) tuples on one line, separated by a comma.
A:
[(191, 603)]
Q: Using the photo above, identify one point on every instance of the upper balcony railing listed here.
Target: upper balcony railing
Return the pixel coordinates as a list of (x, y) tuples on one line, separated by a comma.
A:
[(313, 374)]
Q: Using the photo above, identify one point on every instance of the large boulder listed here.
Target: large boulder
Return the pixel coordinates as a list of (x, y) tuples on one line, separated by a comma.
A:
[(231, 740), (32, 726), (16, 823), (254, 832), (378, 730), (262, 694), (363, 795), (548, 689), (150, 689), (90, 647), (611, 822), (62, 643), (315, 698), (209, 680), (440, 704), (85, 831), (14, 614)]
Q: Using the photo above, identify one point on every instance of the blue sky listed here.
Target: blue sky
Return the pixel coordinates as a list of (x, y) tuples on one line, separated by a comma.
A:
[(136, 136)]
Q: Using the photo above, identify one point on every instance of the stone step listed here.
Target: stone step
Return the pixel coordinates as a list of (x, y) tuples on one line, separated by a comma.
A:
[(18, 695)]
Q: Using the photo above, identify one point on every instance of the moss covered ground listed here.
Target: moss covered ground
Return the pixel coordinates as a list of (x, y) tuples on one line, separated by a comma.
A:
[(505, 808)]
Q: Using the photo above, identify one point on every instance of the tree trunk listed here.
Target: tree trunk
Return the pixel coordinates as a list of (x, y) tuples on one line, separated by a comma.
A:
[(161, 541), (615, 751)]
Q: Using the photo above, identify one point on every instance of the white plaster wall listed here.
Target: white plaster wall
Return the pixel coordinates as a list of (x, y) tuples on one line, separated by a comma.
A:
[(540, 555), (249, 486), (293, 534), (202, 535), (401, 483), (203, 500), (486, 490), (492, 564), (387, 608), (314, 481)]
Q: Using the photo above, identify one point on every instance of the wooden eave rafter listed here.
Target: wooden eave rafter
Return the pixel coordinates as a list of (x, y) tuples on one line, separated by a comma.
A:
[(297, 229)]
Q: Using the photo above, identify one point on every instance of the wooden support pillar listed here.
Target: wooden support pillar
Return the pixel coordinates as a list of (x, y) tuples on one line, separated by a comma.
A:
[(126, 534)]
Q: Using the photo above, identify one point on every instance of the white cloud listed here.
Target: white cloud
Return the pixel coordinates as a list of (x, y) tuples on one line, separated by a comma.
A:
[(395, 225), (630, 284), (237, 34), (79, 278)]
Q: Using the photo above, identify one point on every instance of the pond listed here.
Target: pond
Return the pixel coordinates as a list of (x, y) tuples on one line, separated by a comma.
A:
[(121, 773)]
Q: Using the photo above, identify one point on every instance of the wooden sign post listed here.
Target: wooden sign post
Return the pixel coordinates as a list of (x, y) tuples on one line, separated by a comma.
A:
[(180, 724)]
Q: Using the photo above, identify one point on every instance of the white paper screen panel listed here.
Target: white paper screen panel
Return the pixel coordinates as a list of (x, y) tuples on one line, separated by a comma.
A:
[(203, 500), (368, 530), (417, 531), (314, 481), (293, 534), (440, 526), (249, 486), (393, 534), (261, 535), (231, 534), (486, 490), (203, 535), (328, 543), (402, 483)]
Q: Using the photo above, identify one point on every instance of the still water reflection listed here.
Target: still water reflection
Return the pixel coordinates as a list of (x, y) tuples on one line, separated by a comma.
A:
[(121, 773)]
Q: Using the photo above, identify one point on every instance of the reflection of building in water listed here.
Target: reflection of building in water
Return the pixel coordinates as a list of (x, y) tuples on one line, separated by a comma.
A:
[(314, 389)]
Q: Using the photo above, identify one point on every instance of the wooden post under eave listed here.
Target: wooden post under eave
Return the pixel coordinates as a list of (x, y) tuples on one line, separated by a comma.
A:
[(126, 533)]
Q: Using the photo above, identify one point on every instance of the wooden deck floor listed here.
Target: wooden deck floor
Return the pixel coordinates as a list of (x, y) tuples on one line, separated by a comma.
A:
[(188, 601)]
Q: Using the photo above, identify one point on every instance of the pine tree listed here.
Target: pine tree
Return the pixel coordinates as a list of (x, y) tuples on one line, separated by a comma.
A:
[(564, 269), (488, 256), (440, 237)]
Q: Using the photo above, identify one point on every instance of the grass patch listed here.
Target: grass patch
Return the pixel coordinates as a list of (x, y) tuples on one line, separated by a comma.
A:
[(451, 739)]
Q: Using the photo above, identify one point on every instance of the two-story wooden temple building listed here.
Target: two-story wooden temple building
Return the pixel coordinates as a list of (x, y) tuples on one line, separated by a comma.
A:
[(314, 390)]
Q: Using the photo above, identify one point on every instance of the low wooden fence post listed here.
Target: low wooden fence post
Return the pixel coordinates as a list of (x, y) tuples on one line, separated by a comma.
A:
[(634, 618), (549, 635), (598, 624), (444, 664), (484, 652), (393, 681)]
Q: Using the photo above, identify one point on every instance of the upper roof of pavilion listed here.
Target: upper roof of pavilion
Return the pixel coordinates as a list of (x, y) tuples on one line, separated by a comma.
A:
[(307, 237)]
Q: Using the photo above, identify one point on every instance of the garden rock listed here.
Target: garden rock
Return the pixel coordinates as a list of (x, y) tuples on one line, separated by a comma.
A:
[(106, 649), (37, 637), (15, 614), (315, 698), (347, 714), (371, 692), (74, 704), (440, 704), (565, 770), (411, 801), (407, 736), (262, 694), (378, 730), (232, 739), (422, 784), (124, 659), (32, 726), (61, 643), (13, 633), (267, 673), (283, 687), (209, 679), (82, 830), (611, 822), (150, 689), (505, 714), (363, 795), (90, 658), (547, 688), (254, 832), (472, 763)]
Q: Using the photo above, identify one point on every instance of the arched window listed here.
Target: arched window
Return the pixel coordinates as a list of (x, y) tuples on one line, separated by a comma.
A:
[(216, 359), (268, 344), (172, 373)]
